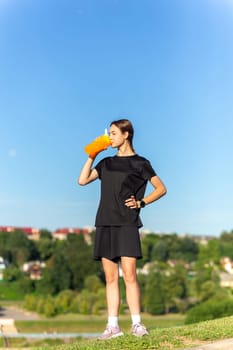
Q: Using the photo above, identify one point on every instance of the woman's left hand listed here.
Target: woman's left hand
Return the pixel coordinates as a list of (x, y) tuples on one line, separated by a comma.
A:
[(131, 203)]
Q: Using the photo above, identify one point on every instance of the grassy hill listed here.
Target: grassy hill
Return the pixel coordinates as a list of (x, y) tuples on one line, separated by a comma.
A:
[(179, 337)]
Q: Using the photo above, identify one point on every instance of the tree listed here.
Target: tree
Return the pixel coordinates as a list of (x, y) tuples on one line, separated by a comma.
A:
[(16, 248), (79, 258), (204, 273), (160, 251), (175, 287), (69, 266), (207, 290), (12, 274), (93, 283), (154, 298), (56, 277), (189, 249), (210, 252), (45, 234), (63, 301), (30, 302), (45, 245), (147, 244)]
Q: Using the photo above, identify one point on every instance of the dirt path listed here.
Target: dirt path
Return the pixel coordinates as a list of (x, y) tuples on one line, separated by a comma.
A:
[(226, 344), (14, 312)]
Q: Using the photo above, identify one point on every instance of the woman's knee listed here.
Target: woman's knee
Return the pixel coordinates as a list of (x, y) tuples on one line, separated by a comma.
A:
[(111, 271), (129, 277), (111, 278)]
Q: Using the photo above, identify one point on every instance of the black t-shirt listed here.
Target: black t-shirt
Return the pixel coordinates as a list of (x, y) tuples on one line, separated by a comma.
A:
[(120, 178)]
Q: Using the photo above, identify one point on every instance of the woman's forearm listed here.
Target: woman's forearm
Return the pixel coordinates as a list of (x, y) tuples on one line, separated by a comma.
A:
[(86, 174)]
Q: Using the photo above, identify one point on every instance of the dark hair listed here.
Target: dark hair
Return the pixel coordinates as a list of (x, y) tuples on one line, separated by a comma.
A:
[(125, 125)]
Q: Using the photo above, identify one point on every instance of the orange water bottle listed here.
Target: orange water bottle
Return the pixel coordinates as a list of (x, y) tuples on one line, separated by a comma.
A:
[(99, 144)]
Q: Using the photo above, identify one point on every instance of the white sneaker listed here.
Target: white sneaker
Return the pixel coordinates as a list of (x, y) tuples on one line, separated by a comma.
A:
[(139, 330), (111, 332)]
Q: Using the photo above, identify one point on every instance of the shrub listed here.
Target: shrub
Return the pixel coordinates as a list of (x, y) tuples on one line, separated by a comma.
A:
[(209, 310), (49, 309), (30, 302), (64, 300)]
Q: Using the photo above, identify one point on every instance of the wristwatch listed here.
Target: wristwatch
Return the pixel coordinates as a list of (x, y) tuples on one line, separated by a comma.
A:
[(142, 204)]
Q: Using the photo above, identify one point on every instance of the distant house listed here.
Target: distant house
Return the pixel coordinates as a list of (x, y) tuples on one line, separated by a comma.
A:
[(30, 232), (203, 240), (33, 269), (175, 262), (62, 233), (226, 280), (227, 265), (3, 265)]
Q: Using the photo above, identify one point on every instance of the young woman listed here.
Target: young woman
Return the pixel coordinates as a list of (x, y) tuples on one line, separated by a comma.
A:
[(123, 183)]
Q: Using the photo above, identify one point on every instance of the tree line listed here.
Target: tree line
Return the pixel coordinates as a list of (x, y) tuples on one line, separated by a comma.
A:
[(176, 274)]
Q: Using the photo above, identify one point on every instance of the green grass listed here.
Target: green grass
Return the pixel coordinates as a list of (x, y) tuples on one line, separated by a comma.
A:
[(179, 337), (10, 291), (96, 324), (166, 333)]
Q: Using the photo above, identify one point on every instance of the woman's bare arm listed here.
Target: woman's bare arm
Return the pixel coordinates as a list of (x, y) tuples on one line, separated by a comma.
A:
[(87, 174), (159, 191)]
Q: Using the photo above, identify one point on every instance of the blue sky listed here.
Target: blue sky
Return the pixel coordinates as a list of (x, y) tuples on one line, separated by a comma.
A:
[(70, 67)]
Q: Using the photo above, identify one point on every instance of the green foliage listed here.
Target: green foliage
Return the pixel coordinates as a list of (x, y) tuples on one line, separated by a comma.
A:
[(165, 247), (11, 291), (12, 274), (226, 244), (85, 302), (45, 235), (154, 301), (175, 288), (45, 248), (16, 248), (68, 267), (160, 251), (45, 305), (49, 307), (209, 310), (64, 300), (30, 302), (205, 273), (210, 253), (188, 336), (207, 290), (75, 282), (100, 305), (93, 283)]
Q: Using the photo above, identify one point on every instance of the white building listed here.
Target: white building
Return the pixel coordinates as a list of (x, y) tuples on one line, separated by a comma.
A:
[(2, 267)]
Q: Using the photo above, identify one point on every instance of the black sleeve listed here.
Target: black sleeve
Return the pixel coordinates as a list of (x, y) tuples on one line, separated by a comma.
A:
[(147, 170), (99, 167)]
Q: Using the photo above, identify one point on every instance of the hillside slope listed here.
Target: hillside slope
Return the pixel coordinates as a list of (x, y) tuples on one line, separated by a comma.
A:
[(182, 337)]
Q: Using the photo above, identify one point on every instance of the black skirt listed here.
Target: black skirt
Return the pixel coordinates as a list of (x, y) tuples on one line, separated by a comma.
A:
[(113, 242)]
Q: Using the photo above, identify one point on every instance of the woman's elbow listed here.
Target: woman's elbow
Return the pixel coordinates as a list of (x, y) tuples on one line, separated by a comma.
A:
[(163, 191), (81, 182)]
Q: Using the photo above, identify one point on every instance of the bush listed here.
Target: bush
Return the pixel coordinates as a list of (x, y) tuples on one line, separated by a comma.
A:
[(30, 302), (64, 300), (99, 305), (93, 283), (49, 309), (40, 305), (209, 310)]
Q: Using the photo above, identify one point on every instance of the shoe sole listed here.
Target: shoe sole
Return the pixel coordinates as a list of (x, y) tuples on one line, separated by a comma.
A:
[(112, 336)]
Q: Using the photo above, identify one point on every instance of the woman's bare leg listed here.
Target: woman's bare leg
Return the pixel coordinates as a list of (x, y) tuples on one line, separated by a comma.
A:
[(111, 271), (128, 265)]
